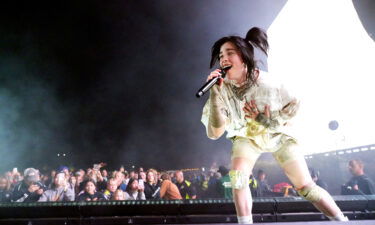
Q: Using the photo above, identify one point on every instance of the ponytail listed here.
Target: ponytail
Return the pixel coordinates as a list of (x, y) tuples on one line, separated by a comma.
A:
[(258, 38)]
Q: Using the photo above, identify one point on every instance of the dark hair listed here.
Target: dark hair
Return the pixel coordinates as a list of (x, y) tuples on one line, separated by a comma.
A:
[(90, 180), (258, 37), (255, 36), (128, 187), (358, 161), (223, 170), (261, 172)]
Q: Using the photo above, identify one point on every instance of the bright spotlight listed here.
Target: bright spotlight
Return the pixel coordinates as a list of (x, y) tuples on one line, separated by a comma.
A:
[(322, 52)]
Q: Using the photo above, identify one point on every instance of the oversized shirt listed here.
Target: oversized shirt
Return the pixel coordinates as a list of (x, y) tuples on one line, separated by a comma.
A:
[(266, 91)]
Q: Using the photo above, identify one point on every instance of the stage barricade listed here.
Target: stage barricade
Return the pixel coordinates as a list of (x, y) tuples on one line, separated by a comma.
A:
[(270, 209)]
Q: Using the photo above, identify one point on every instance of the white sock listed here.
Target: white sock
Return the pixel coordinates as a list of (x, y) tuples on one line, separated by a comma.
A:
[(339, 217), (245, 219)]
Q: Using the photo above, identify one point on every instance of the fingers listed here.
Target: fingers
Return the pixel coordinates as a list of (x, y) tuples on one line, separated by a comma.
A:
[(267, 111), (253, 106), (247, 107), (213, 74), (220, 82), (251, 110), (33, 188)]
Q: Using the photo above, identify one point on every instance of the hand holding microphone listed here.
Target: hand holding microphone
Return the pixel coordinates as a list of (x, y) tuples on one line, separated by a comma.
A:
[(216, 77), (216, 87)]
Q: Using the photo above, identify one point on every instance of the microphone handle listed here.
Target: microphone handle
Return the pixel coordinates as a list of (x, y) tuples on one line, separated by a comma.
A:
[(207, 86)]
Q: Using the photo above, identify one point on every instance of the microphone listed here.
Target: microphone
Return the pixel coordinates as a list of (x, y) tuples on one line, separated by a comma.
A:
[(212, 82)]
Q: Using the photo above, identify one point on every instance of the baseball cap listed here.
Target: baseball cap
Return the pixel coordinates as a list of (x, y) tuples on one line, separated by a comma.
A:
[(31, 174)]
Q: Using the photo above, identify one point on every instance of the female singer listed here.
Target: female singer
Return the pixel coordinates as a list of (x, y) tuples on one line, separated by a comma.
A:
[(255, 110)]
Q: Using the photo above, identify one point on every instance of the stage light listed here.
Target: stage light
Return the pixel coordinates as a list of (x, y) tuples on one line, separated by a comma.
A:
[(321, 51)]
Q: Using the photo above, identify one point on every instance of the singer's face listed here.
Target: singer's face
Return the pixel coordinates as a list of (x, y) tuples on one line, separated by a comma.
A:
[(231, 56)]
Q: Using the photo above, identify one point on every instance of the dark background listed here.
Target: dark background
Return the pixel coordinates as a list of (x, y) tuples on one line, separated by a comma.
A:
[(114, 81)]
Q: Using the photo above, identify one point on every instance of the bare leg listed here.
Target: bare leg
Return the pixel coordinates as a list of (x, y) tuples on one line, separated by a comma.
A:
[(299, 175), (242, 197)]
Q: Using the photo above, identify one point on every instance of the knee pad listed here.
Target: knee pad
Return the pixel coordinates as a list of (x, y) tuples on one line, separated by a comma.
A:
[(312, 192), (239, 179)]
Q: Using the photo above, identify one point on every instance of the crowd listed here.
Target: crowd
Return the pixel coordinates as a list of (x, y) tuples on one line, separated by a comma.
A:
[(97, 184)]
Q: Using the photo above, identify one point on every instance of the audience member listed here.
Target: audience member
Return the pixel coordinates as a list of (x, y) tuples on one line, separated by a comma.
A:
[(105, 175), (152, 186), (65, 170), (264, 188), (119, 195), (120, 179), (315, 175), (359, 184), (187, 190), (142, 179), (131, 174), (84, 185), (168, 190), (126, 178), (225, 186), (213, 185), (60, 190), (49, 181), (14, 177), (253, 185), (72, 182), (283, 189), (90, 193), (200, 181), (79, 186), (111, 188), (133, 191), (5, 192), (30, 189), (96, 175)]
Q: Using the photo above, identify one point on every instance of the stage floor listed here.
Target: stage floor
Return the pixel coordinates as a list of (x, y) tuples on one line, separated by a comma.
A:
[(116, 221), (356, 222)]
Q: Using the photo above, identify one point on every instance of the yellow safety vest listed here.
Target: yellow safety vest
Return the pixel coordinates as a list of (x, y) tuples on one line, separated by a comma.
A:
[(188, 184)]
